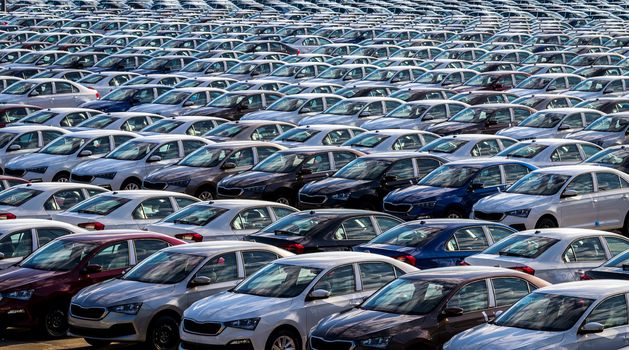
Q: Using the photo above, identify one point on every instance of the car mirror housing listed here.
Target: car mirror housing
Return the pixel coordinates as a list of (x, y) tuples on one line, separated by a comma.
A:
[(34, 93), (305, 171), (200, 281), (452, 311), (591, 327), (319, 294), (153, 159), (569, 193), (85, 153), (389, 178), (476, 185), (14, 147), (563, 127), (92, 268), (228, 165), (188, 104)]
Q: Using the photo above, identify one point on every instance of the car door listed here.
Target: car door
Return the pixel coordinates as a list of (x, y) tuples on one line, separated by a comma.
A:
[(570, 124), (24, 143), (62, 200), (611, 200), (473, 299), (612, 314), (168, 153), (316, 167), (463, 243), (351, 232), (66, 95), (578, 209), (224, 271), (16, 245), (487, 182), (399, 175), (42, 95), (581, 255), (151, 210), (108, 262)]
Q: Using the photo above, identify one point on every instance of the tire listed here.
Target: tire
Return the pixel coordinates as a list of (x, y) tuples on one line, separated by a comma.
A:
[(163, 334), (61, 177), (283, 339), (97, 343), (283, 198), (546, 222), (625, 228), (205, 194), (131, 184), (55, 322), (454, 214)]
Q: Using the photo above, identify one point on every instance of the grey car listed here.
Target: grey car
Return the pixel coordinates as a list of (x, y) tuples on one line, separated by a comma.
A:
[(185, 125), (161, 287), (544, 152), (20, 140), (548, 101), (59, 117), (417, 115), (354, 111), (608, 130), (318, 135), (255, 130), (545, 83), (390, 140), (125, 121), (214, 82), (295, 72), (106, 82), (552, 123), (179, 101), (398, 75), (252, 69), (48, 93), (600, 86), (207, 66), (344, 73), (294, 108)]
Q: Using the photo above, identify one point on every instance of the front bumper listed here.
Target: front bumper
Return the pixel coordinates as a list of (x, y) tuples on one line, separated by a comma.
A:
[(109, 184), (518, 223), (18, 313), (112, 326), (227, 338)]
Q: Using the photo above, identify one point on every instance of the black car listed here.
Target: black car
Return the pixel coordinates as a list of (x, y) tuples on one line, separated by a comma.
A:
[(235, 104), (280, 177), (364, 182), (325, 230), (483, 119)]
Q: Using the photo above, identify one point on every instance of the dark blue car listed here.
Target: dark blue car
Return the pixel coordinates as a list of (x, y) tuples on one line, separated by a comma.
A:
[(125, 97), (452, 189), (434, 243)]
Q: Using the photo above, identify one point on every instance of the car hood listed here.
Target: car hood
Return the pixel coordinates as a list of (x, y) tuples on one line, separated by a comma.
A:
[(524, 132), (329, 119), (388, 123), (213, 111), (156, 108), (118, 291), (103, 165), (588, 135), (15, 278), (104, 104), (228, 306), (251, 178), (271, 115), (413, 194), (177, 172), (492, 337), (450, 127), (333, 185), (359, 323), (510, 201), (525, 92), (34, 160)]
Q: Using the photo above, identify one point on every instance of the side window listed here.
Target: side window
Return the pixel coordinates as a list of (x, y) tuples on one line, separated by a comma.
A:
[(558, 103), (391, 105), (502, 116), (73, 119), (281, 212), (489, 177), (64, 199), (120, 139), (256, 259), (439, 112), (608, 182), (341, 159), (582, 184), (270, 98), (17, 244), (566, 153), (585, 249), (153, 208), (190, 146), (252, 219), (336, 137), (314, 105), (425, 166), (27, 140), (616, 245), (468, 239), (265, 133), (221, 268), (471, 297), (509, 290), (198, 99), (146, 247), (615, 86), (183, 202), (519, 114), (63, 88), (45, 235), (92, 192), (559, 84), (112, 257), (134, 124), (485, 148), (376, 274), (610, 313), (514, 172), (359, 228), (374, 108), (338, 281), (590, 117), (497, 233), (242, 157), (402, 170), (200, 128), (386, 223), (318, 163), (407, 142), (168, 150), (589, 150), (264, 152), (572, 121)]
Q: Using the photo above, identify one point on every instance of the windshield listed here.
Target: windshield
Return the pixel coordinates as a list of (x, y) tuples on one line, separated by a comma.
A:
[(120, 94), (346, 108), (333, 73), (163, 126), (380, 75), (542, 120), (196, 215), (132, 150), (409, 297), (39, 117), (242, 68), (408, 111), (407, 235), (450, 176), (226, 101), (98, 122), (19, 88), (534, 83), (544, 312), (17, 196), (590, 85), (99, 205), (431, 78), (367, 140), (539, 184), (59, 255), (164, 268), (297, 135), (172, 98), (279, 281), (608, 124), (523, 150), (471, 115), (281, 162), (298, 224), (364, 169), (29, 58), (226, 130), (64, 145), (287, 104), (445, 145), (610, 156), (92, 79)]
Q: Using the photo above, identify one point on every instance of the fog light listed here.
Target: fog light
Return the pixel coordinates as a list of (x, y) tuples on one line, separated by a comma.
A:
[(240, 342), (18, 311)]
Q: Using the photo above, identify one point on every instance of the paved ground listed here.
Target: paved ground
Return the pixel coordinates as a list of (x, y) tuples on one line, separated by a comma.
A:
[(24, 340)]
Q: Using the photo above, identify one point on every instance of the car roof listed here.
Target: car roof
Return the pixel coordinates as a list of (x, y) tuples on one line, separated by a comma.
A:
[(105, 236), (573, 169), (7, 225), (330, 259), (551, 141), (99, 132), (462, 273), (211, 248), (596, 289), (144, 193), (46, 186)]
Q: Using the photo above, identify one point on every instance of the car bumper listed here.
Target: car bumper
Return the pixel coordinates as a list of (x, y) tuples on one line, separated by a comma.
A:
[(109, 184), (17, 313), (114, 326), (228, 338), (518, 223)]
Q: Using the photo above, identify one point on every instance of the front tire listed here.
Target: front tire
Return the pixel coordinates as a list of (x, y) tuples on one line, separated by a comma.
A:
[(546, 222), (61, 177), (55, 322), (130, 185), (163, 334), (283, 340), (97, 343), (205, 194), (454, 214)]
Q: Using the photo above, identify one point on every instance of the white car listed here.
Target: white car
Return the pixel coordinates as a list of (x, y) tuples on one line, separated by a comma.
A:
[(550, 152), (20, 237), (59, 117), (277, 306), (585, 196), (54, 161), (43, 199), (221, 219), (125, 209), (19, 140), (126, 166), (464, 146), (586, 315), (555, 255)]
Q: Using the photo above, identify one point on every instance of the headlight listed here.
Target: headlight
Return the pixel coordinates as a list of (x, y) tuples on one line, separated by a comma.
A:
[(129, 309), (179, 183), (19, 294), (523, 213), (255, 188), (109, 176), (247, 323), (378, 343), (341, 196), (39, 170), (426, 205)]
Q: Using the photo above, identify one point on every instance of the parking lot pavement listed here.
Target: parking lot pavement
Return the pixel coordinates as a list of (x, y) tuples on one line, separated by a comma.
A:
[(24, 340)]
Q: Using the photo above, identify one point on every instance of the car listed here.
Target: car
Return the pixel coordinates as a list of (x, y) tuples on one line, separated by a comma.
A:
[(59, 117), (296, 72), (257, 84), (344, 73), (54, 161), (317, 135), (462, 146), (198, 173), (20, 140), (549, 101), (294, 108), (63, 73), (13, 112), (125, 166), (398, 75), (125, 121), (234, 104), (607, 105), (222, 219), (127, 96), (433, 243), (285, 309), (20, 237), (45, 296), (442, 78), (280, 176), (546, 83), (552, 123), (561, 196), (503, 80), (206, 81), (353, 111), (614, 268), (450, 190), (106, 82), (406, 313), (119, 62), (364, 182), (156, 79), (48, 93), (207, 66), (308, 87), (550, 152), (131, 209), (179, 101), (577, 315), (598, 86), (486, 118), (615, 157), (252, 69), (185, 125), (418, 115), (608, 130), (180, 275)]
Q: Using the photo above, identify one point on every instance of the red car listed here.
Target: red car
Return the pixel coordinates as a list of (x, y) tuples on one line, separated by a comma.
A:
[(10, 181), (36, 293)]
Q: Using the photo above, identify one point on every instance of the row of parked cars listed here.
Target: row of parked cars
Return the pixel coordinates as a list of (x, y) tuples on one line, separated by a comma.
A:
[(283, 175)]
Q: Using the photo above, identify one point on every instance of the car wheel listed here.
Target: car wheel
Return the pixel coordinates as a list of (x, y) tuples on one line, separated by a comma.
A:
[(97, 343), (130, 184), (546, 222), (625, 228), (164, 334), (283, 340), (56, 321), (205, 194), (61, 177), (454, 214)]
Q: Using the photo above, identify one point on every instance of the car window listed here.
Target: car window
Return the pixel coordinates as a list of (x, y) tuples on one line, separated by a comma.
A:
[(485, 148), (190, 146), (502, 116), (402, 170), (252, 219), (509, 290), (265, 133), (489, 177), (113, 256), (145, 247), (183, 202), (252, 102), (318, 163), (64, 88), (221, 268), (281, 212), (45, 235), (355, 229), (338, 281), (336, 137), (581, 184), (519, 114), (566, 153), (610, 313), (200, 128), (264, 152), (386, 223), (514, 172), (407, 142), (589, 150), (465, 239), (254, 260), (63, 200), (168, 150), (73, 119), (572, 121), (471, 297), (17, 244), (616, 245), (198, 99), (134, 124), (43, 89), (153, 208), (375, 274), (497, 233), (27, 140), (585, 249), (241, 158), (341, 159), (608, 182)]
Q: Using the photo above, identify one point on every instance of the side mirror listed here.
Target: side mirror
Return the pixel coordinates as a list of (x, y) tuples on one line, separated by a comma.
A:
[(563, 127), (498, 313), (200, 281), (93, 268), (34, 93), (551, 88), (188, 104), (607, 92), (318, 294), (305, 171), (491, 122), (153, 159), (569, 193), (14, 147), (592, 327), (477, 185), (305, 110), (228, 165), (452, 312), (85, 153), (389, 178), (1, 256)]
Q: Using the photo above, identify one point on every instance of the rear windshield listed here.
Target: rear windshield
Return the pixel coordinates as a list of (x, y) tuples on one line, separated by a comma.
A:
[(99, 205)]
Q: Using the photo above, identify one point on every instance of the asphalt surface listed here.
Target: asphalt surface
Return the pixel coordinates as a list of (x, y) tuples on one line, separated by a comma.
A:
[(24, 340)]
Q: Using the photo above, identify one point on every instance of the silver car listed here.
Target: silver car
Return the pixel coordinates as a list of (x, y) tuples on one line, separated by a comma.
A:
[(550, 123), (464, 146), (152, 296), (545, 83), (19, 140), (106, 82), (48, 93), (354, 111), (179, 101), (294, 108), (125, 121), (608, 130), (318, 135), (185, 125), (417, 115), (387, 140), (60, 117), (550, 152)]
